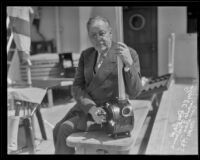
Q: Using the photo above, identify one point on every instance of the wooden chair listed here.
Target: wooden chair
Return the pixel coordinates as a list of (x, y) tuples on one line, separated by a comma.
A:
[(46, 73), (101, 143), (27, 99), (43, 66)]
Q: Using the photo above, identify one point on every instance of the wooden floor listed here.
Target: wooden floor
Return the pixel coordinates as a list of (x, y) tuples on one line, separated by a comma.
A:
[(52, 115), (174, 131)]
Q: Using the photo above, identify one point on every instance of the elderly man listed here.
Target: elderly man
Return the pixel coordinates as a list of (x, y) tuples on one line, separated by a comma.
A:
[(96, 82)]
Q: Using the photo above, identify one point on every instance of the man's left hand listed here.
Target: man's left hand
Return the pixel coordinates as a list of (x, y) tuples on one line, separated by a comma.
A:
[(122, 50)]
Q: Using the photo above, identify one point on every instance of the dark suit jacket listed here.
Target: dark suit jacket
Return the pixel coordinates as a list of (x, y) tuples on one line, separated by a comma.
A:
[(91, 89)]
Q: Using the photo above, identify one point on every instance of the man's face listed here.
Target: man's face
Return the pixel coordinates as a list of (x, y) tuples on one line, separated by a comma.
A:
[(100, 36)]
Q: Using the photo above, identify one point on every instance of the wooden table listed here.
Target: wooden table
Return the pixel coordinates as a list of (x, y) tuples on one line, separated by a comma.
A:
[(48, 84), (99, 142), (52, 83), (175, 127)]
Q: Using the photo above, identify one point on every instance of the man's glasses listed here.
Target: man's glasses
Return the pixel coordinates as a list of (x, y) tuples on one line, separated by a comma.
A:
[(100, 34)]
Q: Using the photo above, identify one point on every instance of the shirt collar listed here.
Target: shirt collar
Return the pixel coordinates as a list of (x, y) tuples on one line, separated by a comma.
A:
[(104, 55)]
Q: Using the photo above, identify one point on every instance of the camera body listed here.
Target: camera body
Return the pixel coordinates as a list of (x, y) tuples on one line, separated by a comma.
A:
[(119, 118)]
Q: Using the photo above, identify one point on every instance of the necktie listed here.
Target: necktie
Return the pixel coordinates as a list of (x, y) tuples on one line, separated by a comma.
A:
[(99, 62)]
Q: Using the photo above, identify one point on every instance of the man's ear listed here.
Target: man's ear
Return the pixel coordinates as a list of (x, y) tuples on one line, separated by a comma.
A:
[(110, 32)]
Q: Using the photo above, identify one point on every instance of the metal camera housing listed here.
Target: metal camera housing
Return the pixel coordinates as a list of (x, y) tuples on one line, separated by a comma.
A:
[(119, 118)]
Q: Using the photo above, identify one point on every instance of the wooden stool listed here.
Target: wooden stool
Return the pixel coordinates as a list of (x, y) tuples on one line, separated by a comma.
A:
[(27, 122), (101, 143)]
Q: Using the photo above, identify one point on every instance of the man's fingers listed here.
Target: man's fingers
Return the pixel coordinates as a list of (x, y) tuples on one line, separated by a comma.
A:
[(99, 119), (117, 51), (121, 44), (104, 120), (119, 47)]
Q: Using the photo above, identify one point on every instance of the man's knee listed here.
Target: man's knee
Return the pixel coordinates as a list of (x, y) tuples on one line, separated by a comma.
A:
[(67, 127)]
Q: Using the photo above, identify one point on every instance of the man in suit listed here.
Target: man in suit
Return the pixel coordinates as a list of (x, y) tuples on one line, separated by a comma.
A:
[(96, 82)]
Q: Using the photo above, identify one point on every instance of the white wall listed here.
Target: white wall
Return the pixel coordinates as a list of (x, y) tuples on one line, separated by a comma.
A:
[(69, 27), (47, 23), (170, 20), (69, 23), (84, 14), (186, 56)]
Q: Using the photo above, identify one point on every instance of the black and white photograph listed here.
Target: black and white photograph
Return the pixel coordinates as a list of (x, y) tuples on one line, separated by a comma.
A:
[(92, 80)]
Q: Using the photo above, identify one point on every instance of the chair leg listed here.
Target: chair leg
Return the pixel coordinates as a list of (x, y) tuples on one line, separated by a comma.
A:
[(50, 97), (41, 124), (12, 129), (29, 134)]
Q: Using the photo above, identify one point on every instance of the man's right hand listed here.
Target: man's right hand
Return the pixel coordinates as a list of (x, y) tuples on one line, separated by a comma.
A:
[(98, 114)]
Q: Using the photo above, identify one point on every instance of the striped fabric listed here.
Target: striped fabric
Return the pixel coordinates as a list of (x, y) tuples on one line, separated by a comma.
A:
[(20, 23)]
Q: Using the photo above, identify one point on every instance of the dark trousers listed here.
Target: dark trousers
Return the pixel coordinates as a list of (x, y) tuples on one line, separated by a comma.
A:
[(63, 129)]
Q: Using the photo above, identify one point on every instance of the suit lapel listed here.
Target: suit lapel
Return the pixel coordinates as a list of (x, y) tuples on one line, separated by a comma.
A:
[(108, 65), (89, 64)]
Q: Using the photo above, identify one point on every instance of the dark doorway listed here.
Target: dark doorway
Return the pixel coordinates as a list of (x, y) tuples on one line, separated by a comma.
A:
[(192, 14), (140, 33)]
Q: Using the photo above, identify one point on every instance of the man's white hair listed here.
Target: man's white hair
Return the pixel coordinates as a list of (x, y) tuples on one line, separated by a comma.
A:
[(97, 18)]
